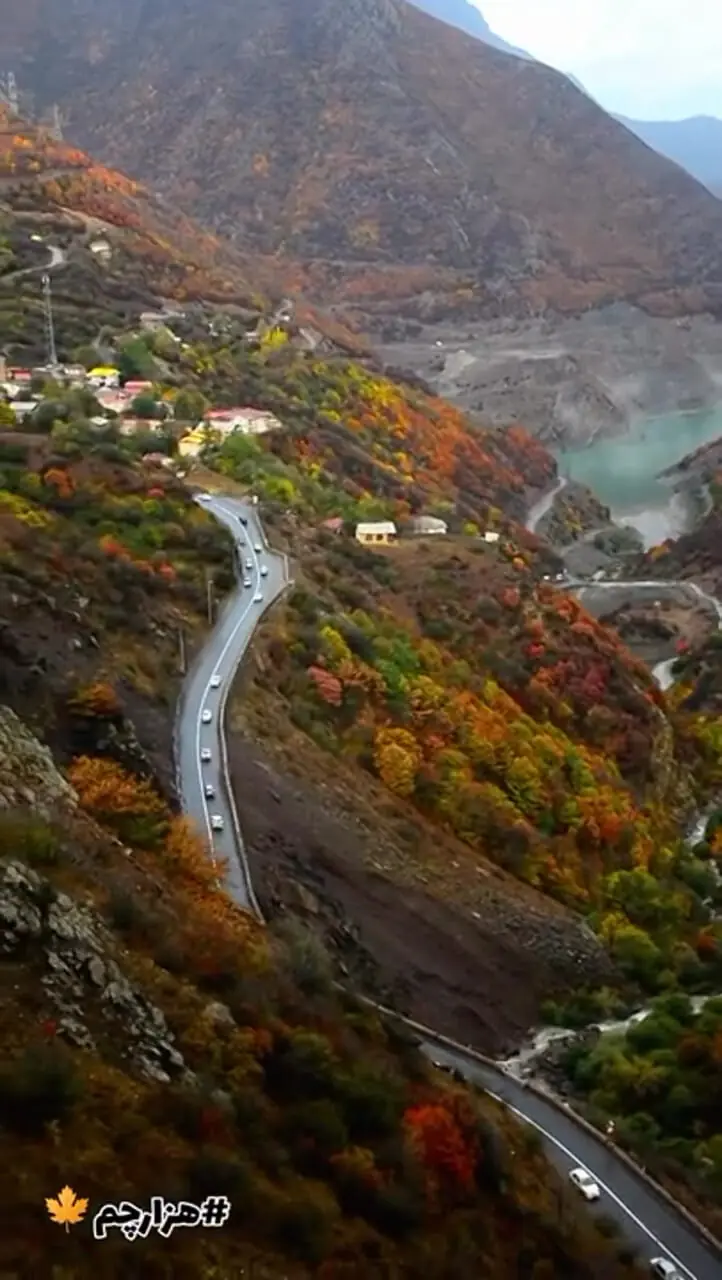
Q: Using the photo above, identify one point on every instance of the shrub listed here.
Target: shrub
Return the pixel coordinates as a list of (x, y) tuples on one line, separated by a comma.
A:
[(32, 839), (38, 1087)]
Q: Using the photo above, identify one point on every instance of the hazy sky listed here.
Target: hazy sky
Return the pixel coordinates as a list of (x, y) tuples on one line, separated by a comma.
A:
[(652, 59)]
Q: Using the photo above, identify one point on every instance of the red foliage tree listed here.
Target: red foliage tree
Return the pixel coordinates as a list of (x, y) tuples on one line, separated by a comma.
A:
[(440, 1145)]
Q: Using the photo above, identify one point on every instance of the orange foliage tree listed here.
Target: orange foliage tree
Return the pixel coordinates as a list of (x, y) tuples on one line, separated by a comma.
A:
[(128, 805), (98, 699)]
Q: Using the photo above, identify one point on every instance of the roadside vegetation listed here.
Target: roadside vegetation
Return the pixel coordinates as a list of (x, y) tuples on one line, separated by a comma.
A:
[(342, 1152), (660, 1084)]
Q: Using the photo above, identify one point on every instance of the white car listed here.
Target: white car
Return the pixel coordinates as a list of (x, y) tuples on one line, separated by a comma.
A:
[(264, 571), (207, 716), (258, 548), (585, 1183), (249, 564), (215, 682), (209, 791), (665, 1269), (206, 755), (246, 582), (217, 822), (258, 598)]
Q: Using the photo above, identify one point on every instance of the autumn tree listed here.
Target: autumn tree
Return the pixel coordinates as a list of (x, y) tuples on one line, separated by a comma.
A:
[(439, 1144), (128, 805), (98, 699)]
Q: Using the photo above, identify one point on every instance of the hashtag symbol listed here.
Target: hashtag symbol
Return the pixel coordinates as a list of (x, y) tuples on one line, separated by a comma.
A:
[(215, 1211)]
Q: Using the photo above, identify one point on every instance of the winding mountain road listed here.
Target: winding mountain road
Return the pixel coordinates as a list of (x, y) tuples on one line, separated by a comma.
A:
[(57, 258), (645, 1218)]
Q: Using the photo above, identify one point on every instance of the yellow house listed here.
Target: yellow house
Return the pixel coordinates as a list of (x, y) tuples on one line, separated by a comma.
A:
[(190, 445), (104, 375)]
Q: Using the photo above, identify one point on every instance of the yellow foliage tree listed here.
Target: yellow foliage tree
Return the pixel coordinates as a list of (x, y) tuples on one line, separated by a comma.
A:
[(397, 758)]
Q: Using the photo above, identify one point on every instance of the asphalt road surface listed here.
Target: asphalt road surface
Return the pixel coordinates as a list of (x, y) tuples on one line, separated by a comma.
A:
[(221, 657), (645, 1220)]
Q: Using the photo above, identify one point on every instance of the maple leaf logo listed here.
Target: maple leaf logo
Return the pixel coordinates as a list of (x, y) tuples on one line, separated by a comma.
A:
[(68, 1209)]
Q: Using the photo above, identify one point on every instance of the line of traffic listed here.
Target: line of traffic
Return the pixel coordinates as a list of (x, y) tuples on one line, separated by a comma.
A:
[(534, 1111)]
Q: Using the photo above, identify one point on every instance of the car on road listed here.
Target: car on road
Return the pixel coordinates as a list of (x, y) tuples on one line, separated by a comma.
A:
[(242, 520), (206, 755), (246, 582), (209, 791), (215, 682), (257, 599), (665, 1269), (249, 564), (585, 1183), (207, 716), (217, 822), (264, 570), (258, 548)]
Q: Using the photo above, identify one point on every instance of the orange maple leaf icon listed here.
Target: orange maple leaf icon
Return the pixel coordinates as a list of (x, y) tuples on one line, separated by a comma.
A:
[(67, 1209)]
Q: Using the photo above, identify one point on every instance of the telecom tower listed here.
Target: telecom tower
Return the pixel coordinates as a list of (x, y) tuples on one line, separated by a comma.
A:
[(49, 327)]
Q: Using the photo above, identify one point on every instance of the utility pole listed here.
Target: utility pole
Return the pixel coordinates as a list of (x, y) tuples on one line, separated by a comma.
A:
[(49, 327), (209, 598), (10, 92), (56, 128), (182, 650)]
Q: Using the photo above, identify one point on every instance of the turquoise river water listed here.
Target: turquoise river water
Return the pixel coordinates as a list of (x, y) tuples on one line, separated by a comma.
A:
[(623, 470)]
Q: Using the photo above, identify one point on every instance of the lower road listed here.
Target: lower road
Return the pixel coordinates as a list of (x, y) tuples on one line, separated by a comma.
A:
[(644, 1218)]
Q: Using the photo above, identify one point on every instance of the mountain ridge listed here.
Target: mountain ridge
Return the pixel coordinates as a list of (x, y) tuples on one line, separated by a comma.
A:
[(678, 140), (374, 178)]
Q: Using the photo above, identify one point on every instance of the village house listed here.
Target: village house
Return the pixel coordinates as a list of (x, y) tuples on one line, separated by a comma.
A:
[(334, 524), (489, 536), (250, 421), (101, 249), (190, 446), (378, 532), (104, 376), (425, 525), (16, 380), (23, 408), (115, 400), (138, 387), (74, 374)]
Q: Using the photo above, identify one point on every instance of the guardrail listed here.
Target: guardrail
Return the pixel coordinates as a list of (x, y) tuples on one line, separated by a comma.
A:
[(565, 1109), (437, 1037)]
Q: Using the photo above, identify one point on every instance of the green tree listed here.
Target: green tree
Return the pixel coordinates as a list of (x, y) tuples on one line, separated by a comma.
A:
[(135, 360), (86, 355), (189, 405), (144, 406)]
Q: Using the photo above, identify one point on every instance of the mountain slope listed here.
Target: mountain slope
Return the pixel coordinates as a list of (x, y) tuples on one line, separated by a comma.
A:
[(39, 175), (695, 143), (390, 155)]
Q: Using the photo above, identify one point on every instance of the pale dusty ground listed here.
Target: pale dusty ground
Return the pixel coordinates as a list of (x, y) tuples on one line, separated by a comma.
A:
[(568, 378)]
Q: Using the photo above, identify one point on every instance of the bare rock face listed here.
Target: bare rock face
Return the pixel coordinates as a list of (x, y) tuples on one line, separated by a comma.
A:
[(28, 774), (84, 984)]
